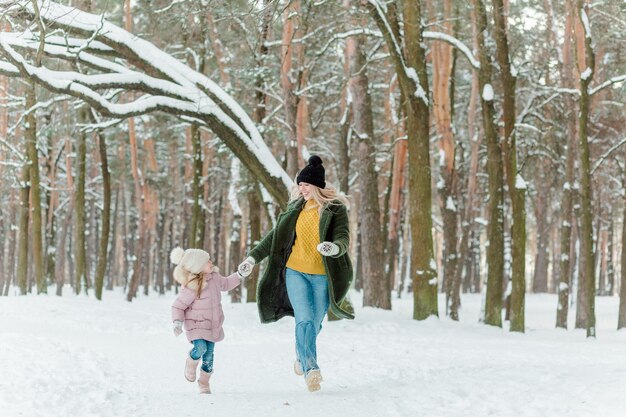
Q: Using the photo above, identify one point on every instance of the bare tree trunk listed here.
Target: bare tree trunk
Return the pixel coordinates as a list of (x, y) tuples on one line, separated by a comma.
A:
[(420, 192), (22, 253), (258, 116), (289, 82), (413, 80), (495, 231), (235, 254), (52, 201), (416, 103), (4, 239), (581, 299), (585, 172), (79, 206), (7, 272), (377, 292), (395, 211), (540, 276), (621, 317), (139, 201), (106, 215), (140, 234), (442, 56), (516, 184), (255, 237), (218, 211), (35, 189), (196, 190), (345, 134), (610, 263), (601, 256), (567, 202), (234, 240), (13, 240), (466, 250)]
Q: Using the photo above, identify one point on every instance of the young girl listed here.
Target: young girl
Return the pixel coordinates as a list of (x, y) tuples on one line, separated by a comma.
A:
[(198, 306)]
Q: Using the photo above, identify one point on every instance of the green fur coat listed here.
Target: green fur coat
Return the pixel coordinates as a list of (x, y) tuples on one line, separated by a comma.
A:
[(272, 299)]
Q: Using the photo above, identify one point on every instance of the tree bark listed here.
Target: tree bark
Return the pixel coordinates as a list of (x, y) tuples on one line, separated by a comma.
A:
[(585, 173), (35, 189), (495, 229), (395, 211), (516, 185), (79, 205), (621, 317), (255, 237), (567, 202), (610, 263), (258, 116), (103, 246), (234, 240), (466, 250), (22, 252), (420, 189), (289, 80), (140, 233), (377, 292), (196, 190), (442, 57), (540, 275), (601, 255), (414, 87)]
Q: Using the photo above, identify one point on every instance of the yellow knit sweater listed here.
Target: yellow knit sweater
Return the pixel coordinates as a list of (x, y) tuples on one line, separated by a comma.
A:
[(304, 255)]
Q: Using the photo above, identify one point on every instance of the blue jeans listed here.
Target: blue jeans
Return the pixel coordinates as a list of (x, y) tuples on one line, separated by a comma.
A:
[(308, 294), (203, 349)]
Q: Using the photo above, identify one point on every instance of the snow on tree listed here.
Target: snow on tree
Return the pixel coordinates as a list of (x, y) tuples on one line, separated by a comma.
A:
[(108, 61)]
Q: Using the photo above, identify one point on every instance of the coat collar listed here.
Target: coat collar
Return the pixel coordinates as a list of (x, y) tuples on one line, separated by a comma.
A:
[(298, 205)]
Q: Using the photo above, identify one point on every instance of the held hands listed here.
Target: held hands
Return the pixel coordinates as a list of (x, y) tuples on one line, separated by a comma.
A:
[(328, 249), (245, 268), (177, 326)]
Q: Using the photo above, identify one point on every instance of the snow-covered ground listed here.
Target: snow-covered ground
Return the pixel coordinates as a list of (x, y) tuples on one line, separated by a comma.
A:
[(75, 356)]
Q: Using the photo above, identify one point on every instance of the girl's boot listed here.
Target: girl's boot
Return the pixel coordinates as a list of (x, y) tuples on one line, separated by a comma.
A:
[(190, 368), (203, 382)]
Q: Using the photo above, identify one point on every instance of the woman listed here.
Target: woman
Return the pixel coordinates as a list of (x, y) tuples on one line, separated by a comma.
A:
[(309, 269)]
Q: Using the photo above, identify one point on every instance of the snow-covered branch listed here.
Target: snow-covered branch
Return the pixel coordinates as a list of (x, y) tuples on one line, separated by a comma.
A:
[(607, 154), (165, 84), (37, 106), (608, 83), (456, 43), (12, 148), (378, 12)]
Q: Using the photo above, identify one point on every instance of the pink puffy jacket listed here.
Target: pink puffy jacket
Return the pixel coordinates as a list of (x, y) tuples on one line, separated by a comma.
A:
[(203, 316)]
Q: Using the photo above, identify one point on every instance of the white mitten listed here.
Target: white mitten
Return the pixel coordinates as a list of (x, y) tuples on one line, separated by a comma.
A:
[(245, 268), (328, 249), (177, 326)]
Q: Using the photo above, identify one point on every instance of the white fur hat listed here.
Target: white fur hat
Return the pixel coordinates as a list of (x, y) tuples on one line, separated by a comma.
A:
[(191, 260)]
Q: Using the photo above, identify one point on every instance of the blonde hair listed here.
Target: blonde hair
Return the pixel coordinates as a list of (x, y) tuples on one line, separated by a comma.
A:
[(324, 197), (197, 280), (189, 279)]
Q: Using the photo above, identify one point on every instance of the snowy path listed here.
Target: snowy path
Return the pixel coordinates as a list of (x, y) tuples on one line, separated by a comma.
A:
[(74, 356)]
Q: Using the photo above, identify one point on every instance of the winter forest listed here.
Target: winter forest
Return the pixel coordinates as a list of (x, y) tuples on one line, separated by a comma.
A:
[(481, 145)]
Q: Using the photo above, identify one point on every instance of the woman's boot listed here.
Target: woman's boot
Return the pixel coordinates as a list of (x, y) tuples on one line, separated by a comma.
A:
[(313, 379)]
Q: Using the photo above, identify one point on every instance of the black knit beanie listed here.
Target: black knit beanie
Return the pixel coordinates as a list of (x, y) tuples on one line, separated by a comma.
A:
[(313, 173)]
